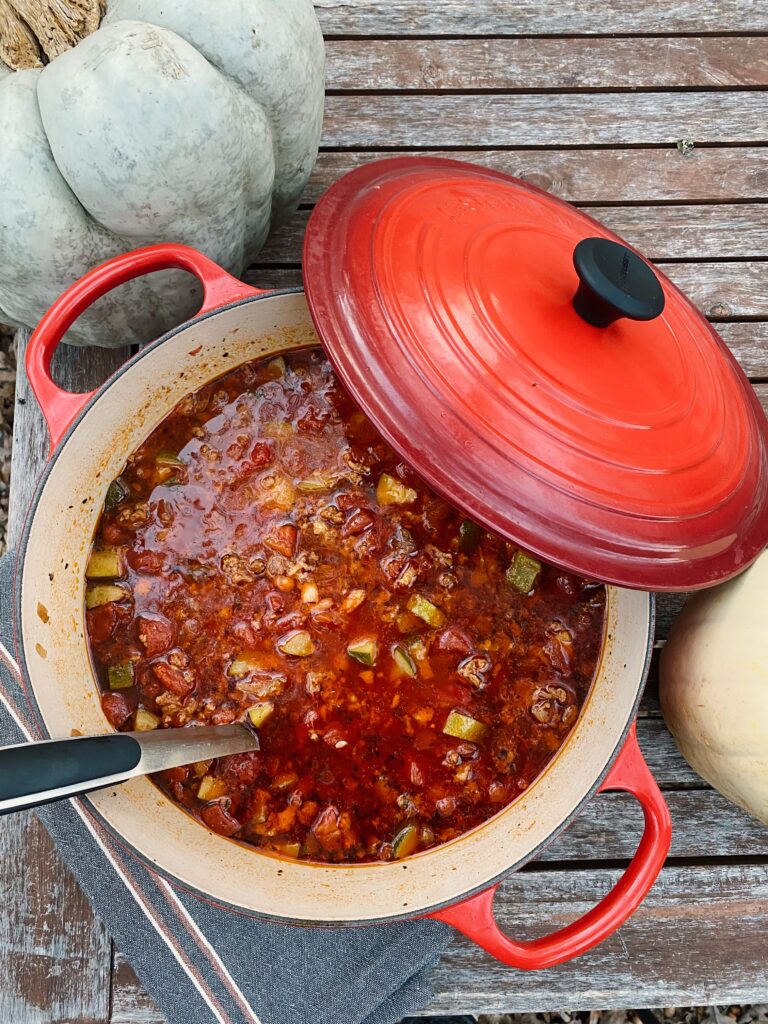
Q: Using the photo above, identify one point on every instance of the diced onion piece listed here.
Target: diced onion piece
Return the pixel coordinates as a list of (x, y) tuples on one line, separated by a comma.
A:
[(391, 491), (353, 600), (405, 842), (318, 481), (404, 662), (309, 593), (424, 609), (243, 664), (298, 644), (463, 726), (168, 459), (105, 593), (120, 676), (470, 535), (363, 651), (106, 563), (211, 788), (259, 713), (281, 431), (523, 572), (145, 721), (277, 366)]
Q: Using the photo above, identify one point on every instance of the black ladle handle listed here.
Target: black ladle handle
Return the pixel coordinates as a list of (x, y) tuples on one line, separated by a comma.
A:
[(614, 282)]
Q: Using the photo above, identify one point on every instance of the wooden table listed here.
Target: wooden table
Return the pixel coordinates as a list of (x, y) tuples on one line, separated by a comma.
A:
[(547, 92)]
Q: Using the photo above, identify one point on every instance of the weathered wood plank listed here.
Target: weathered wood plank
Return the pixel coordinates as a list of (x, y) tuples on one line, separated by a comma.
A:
[(720, 290), (54, 953), (531, 17), (528, 64), (726, 231), (699, 938), (589, 175), (594, 119)]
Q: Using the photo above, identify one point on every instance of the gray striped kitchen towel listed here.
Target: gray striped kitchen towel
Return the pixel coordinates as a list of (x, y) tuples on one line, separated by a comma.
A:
[(202, 964)]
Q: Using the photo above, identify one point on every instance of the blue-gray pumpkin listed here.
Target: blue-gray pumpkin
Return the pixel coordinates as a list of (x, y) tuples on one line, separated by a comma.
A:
[(190, 121)]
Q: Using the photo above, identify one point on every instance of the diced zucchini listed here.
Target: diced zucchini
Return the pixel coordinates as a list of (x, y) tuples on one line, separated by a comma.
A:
[(404, 662), (278, 430), (259, 713), (463, 726), (430, 613), (287, 849), (211, 788), (168, 459), (298, 644), (523, 572), (470, 535), (117, 492), (277, 366), (145, 721), (105, 564), (120, 676), (405, 842), (105, 593), (309, 593), (363, 651), (391, 491)]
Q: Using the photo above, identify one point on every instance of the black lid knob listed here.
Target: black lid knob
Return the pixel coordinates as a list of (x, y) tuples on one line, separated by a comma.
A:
[(614, 282)]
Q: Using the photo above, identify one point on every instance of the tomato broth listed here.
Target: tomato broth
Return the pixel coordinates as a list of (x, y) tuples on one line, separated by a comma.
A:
[(265, 556)]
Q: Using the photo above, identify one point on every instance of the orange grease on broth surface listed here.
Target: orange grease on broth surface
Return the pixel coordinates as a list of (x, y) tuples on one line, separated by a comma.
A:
[(268, 529)]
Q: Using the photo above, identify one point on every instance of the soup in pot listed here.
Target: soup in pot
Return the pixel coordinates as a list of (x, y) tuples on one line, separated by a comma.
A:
[(265, 556)]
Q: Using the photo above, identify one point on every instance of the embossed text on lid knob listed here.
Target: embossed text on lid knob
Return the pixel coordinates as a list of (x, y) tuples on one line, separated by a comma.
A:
[(614, 282)]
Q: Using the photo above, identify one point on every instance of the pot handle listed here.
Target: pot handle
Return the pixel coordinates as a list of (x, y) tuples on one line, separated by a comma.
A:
[(474, 917), (61, 407)]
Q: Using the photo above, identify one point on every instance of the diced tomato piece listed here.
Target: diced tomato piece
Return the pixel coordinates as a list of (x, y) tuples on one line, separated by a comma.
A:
[(150, 562), (455, 641), (156, 634), (220, 820), (104, 620), (117, 708), (113, 533), (283, 540), (326, 829), (359, 521), (240, 769), (262, 455), (173, 679)]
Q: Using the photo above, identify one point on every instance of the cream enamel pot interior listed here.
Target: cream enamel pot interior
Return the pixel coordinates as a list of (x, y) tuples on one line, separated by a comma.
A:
[(91, 437)]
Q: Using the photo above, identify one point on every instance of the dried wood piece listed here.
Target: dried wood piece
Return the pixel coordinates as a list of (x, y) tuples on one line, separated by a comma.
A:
[(18, 45), (59, 25)]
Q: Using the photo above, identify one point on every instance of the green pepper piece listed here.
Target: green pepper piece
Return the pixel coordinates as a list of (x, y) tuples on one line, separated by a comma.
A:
[(523, 572), (470, 535)]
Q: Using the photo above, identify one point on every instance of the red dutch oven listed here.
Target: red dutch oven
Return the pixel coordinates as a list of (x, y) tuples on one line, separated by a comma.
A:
[(540, 376)]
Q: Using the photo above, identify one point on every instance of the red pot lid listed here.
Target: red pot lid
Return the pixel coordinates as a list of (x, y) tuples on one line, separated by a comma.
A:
[(633, 451)]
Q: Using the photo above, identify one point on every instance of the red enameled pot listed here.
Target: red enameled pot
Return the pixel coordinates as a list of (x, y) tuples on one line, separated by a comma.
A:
[(534, 371)]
